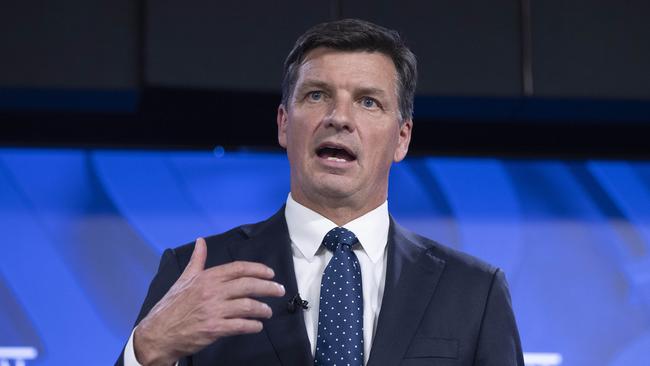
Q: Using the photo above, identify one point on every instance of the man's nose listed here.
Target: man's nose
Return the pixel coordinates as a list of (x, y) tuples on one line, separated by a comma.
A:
[(340, 115)]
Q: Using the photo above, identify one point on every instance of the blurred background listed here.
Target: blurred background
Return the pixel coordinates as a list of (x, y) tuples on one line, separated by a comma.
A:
[(127, 127)]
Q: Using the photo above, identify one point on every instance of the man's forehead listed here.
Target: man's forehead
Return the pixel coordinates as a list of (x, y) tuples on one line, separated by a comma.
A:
[(330, 53), (366, 67)]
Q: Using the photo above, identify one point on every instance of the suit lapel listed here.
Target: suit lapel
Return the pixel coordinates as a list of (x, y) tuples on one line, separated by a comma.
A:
[(412, 275), (269, 243)]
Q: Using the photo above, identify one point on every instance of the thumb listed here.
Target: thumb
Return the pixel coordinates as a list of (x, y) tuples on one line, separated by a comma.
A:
[(197, 261)]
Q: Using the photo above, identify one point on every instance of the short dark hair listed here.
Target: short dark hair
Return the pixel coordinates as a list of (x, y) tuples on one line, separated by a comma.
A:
[(356, 35)]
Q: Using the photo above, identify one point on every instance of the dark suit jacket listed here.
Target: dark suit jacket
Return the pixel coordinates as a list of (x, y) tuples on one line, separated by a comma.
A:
[(440, 307)]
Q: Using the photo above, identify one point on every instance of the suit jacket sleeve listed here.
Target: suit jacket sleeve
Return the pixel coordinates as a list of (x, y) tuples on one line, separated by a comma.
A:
[(498, 343), (168, 272)]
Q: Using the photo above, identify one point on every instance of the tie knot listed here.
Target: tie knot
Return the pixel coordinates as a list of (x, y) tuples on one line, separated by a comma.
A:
[(339, 235)]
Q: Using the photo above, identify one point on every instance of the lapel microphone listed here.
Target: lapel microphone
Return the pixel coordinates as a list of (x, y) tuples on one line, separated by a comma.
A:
[(297, 302)]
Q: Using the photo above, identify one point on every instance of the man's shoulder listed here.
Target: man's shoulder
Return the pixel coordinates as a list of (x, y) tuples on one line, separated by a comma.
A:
[(454, 260), (218, 243)]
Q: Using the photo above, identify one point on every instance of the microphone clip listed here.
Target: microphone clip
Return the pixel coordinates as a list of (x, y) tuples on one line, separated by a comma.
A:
[(297, 302)]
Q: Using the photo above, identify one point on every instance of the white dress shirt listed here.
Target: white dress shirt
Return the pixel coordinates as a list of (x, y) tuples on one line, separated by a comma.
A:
[(307, 229)]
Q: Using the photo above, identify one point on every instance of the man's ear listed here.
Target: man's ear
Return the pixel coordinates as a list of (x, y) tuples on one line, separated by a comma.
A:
[(404, 140), (282, 125)]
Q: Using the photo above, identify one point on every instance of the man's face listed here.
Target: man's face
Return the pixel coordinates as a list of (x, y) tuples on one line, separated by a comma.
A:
[(341, 129)]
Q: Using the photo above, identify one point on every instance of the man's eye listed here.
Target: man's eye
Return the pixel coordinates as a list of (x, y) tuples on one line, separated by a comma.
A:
[(315, 95), (368, 102)]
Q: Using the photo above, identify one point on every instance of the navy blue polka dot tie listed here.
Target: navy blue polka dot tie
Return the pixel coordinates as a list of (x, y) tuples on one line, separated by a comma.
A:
[(340, 314)]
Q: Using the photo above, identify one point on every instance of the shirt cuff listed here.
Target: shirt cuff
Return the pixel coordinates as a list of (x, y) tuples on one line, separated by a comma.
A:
[(129, 352)]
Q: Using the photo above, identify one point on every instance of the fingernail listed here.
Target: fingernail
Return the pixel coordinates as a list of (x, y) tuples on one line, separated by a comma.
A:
[(270, 272), (280, 287)]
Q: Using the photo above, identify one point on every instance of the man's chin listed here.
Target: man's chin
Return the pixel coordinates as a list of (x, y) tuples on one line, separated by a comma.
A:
[(335, 186)]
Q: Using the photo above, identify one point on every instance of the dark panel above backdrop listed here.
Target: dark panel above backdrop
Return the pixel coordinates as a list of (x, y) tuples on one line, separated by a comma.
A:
[(71, 44), (507, 77), (238, 45), (463, 47), (591, 48)]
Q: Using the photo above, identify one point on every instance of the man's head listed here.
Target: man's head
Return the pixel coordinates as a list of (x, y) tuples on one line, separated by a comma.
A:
[(345, 116), (356, 35)]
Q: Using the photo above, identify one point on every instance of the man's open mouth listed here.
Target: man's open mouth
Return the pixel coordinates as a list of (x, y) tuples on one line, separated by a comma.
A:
[(335, 152)]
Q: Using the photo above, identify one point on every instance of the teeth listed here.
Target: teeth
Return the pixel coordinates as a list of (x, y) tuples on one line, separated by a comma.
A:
[(332, 158)]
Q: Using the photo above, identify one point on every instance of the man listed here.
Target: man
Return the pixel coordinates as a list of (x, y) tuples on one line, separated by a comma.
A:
[(237, 298)]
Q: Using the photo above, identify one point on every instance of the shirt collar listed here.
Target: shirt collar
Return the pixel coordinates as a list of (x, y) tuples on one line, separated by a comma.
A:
[(307, 228)]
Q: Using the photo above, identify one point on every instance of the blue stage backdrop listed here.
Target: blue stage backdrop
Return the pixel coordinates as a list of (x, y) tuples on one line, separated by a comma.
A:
[(82, 232)]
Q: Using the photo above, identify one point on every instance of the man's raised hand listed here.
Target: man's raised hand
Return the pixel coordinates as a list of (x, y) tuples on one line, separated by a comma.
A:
[(203, 306)]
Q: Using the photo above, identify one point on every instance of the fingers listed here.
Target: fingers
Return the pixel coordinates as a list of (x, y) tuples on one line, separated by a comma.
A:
[(252, 287), (241, 326), (197, 261), (234, 270), (247, 308), (207, 304)]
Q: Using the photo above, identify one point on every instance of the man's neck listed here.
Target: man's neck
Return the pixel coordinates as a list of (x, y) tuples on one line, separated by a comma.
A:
[(338, 211)]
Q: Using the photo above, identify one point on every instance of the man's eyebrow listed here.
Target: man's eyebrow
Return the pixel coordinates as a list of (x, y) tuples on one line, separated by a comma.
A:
[(313, 83), (369, 90), (322, 85)]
